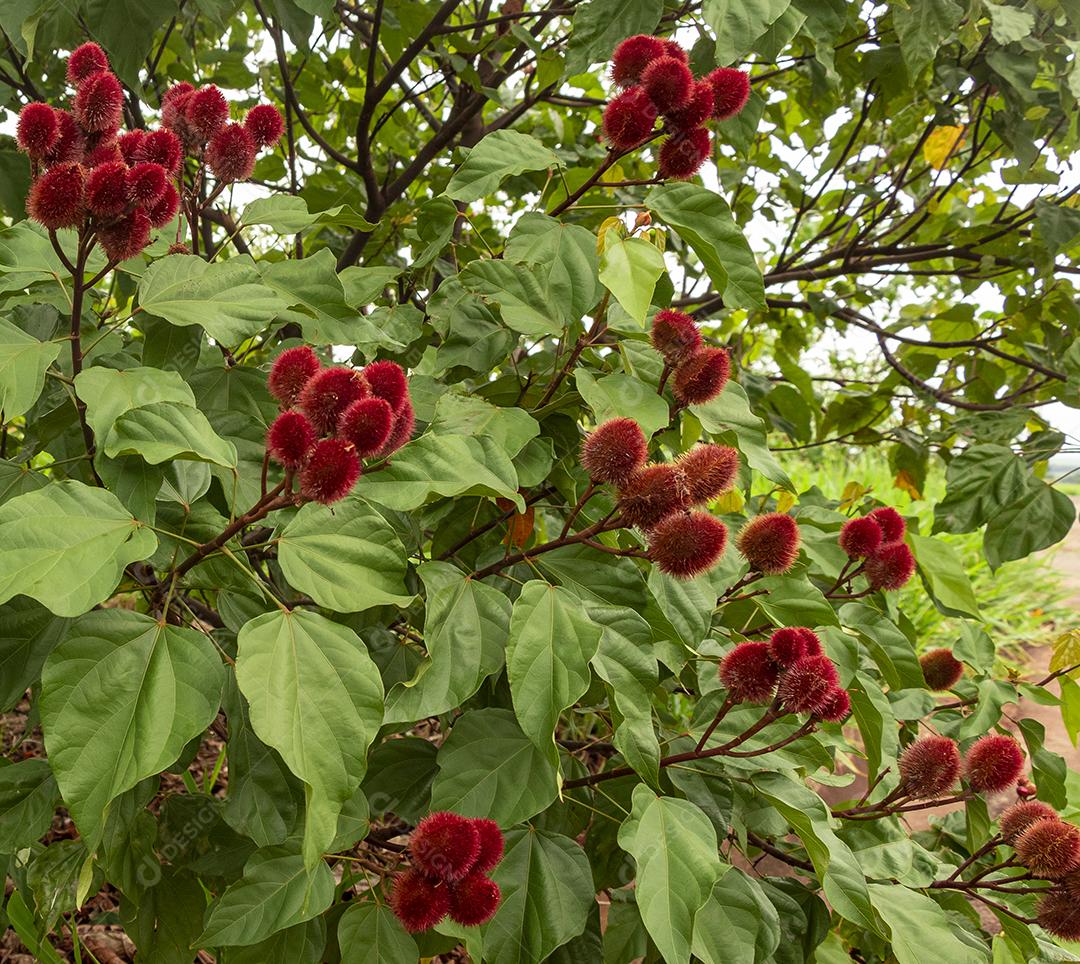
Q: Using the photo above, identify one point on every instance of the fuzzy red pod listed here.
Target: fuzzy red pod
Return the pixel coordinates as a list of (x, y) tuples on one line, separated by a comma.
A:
[(125, 238), (178, 247), (85, 60), (697, 111), (146, 184), (835, 708), (890, 522), (328, 392), (99, 102), (860, 536), (994, 762), (291, 371), (130, 145), (419, 903), (702, 376), (37, 131), (632, 56), (231, 154), (731, 91), (265, 125), (675, 335), (331, 471), (683, 153), (686, 545), (445, 845), (366, 424), (172, 106), (402, 432), (629, 119), (708, 471), (667, 81), (807, 684), (788, 645), (890, 567), (748, 673), (165, 209), (672, 48), (1049, 848), (492, 844), (105, 151), (929, 767), (206, 112), (162, 147), (1059, 914), (70, 145), (290, 439), (614, 451), (811, 641), (1016, 819), (474, 900), (56, 198), (107, 189), (388, 381), (651, 494), (770, 543), (940, 669)]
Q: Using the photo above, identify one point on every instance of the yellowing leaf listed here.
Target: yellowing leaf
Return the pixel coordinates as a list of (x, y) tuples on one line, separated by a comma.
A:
[(942, 143), (906, 483), (853, 491), (730, 501), (610, 224), (1066, 651), (519, 527), (784, 501)]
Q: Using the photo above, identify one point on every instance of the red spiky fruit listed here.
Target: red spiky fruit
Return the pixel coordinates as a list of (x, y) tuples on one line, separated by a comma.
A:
[(683, 153), (1059, 914), (748, 673), (146, 184), (1049, 848), (231, 154), (702, 376), (789, 644), (667, 80), (1016, 819), (731, 91), (632, 56), (629, 119), (290, 439), (172, 106), (770, 543), (686, 545), (127, 237), (929, 767), (419, 903), (708, 471), (327, 394), (291, 371), (834, 708), (130, 145), (697, 111), (166, 207), (105, 150), (162, 147), (941, 670), (993, 763), (810, 640), (402, 432), (99, 102), (107, 189), (388, 381), (675, 335), (890, 567), (265, 125), (71, 143), (331, 471), (474, 901), (890, 522), (85, 60), (807, 684), (206, 112), (366, 424), (37, 131), (492, 844), (445, 845), (651, 494), (675, 49), (614, 451), (860, 536), (56, 198)]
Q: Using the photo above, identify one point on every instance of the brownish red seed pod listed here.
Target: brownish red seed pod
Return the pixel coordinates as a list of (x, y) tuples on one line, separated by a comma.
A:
[(731, 91), (231, 154), (366, 424), (419, 903), (85, 60), (890, 522), (387, 380), (492, 844), (331, 471), (807, 684), (748, 673), (675, 49), (702, 376), (941, 670), (106, 150), (890, 567), (56, 198), (993, 763), (107, 189), (445, 845), (651, 494), (667, 80), (327, 394), (698, 108), (787, 645), (265, 125), (130, 144), (127, 237), (683, 153), (146, 184), (632, 56), (402, 432), (38, 130), (614, 451), (206, 112), (1016, 819), (71, 143), (860, 536), (686, 545), (173, 103), (291, 371), (675, 335), (708, 471), (1049, 848), (474, 900), (629, 119), (99, 102), (770, 543), (165, 209), (1059, 914), (835, 708), (290, 439), (162, 147), (929, 767)]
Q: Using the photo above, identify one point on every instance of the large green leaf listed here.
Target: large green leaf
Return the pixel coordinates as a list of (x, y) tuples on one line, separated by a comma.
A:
[(737, 24), (943, 572), (28, 633), (26, 257), (1041, 517), (23, 360), (66, 546), (369, 933), (623, 396), (730, 411), (511, 428), (28, 797), (286, 214), (499, 155), (629, 269), (519, 291), (315, 696), (164, 431), (121, 696), (923, 27), (738, 924), (981, 481), (109, 392), (600, 24), (921, 931)]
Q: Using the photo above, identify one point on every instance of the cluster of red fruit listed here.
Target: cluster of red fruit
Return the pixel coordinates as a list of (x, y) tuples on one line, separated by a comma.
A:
[(657, 82), (701, 371), (792, 668), (878, 539), (452, 856), (334, 417), (931, 766)]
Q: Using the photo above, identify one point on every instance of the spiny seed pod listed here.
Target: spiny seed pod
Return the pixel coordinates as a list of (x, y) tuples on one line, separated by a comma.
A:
[(492, 844), (1016, 819), (686, 545), (890, 567), (651, 494), (366, 424), (614, 451), (445, 845), (929, 767), (265, 125), (632, 56), (127, 237), (731, 91), (667, 81), (993, 763), (697, 111), (1059, 914), (206, 111), (702, 376), (417, 902), (130, 144), (675, 335), (56, 198), (172, 106), (328, 393), (85, 60), (474, 901), (162, 147), (402, 432), (165, 209), (291, 371), (178, 247), (1049, 848), (748, 673), (788, 645), (629, 119), (107, 189), (940, 669), (105, 151), (674, 49), (99, 102), (860, 536), (807, 684), (835, 708), (683, 153), (331, 471), (37, 131), (231, 154), (891, 523), (71, 143), (388, 381), (810, 641), (770, 543), (146, 184), (291, 439), (708, 471)]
